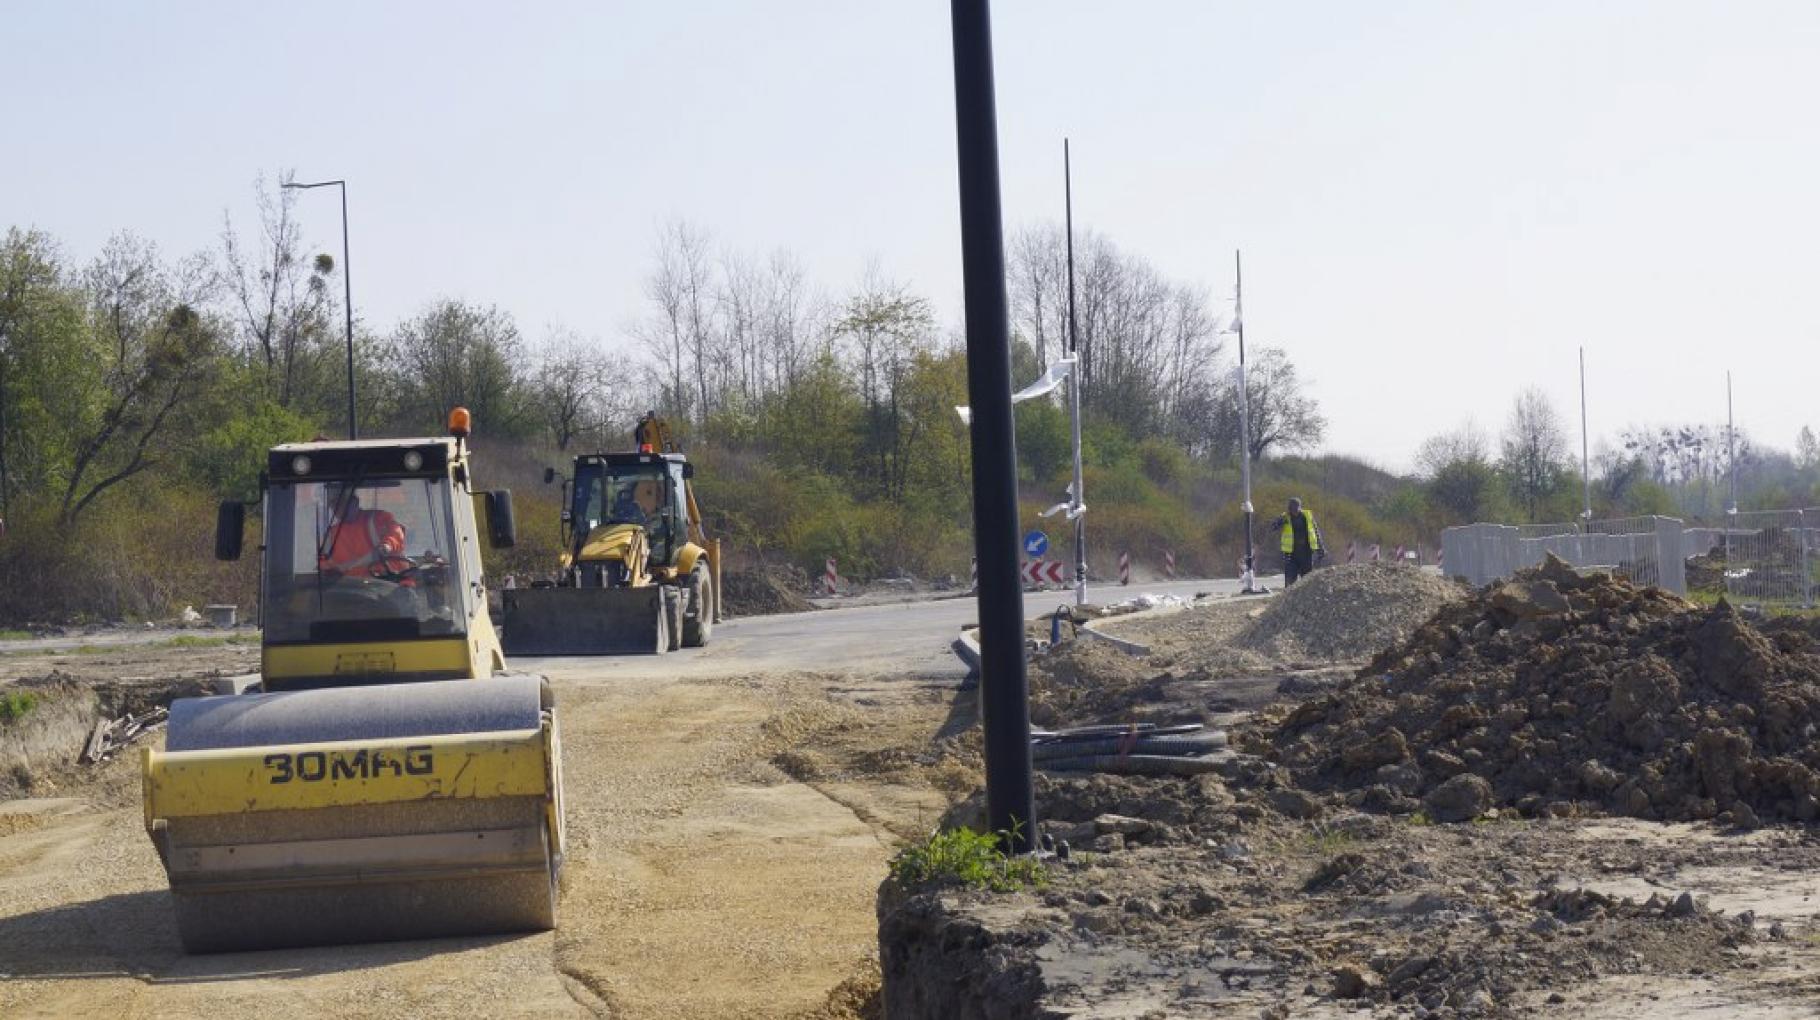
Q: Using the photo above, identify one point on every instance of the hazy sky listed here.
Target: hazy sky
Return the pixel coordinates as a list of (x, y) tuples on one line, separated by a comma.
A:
[(1438, 202)]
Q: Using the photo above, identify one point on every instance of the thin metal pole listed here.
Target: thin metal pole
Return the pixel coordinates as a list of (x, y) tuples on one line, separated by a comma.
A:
[(1004, 694), (1585, 442), (1238, 310), (347, 293), (347, 287), (1074, 395), (1731, 444)]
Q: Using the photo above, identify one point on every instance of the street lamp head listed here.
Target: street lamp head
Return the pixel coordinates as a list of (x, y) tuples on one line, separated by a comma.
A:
[(312, 184)]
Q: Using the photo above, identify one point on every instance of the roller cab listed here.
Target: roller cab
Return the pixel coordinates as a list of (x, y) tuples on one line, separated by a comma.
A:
[(386, 782)]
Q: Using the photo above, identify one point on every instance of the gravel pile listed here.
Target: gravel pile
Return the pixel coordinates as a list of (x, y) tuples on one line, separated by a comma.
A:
[(1563, 694), (1348, 612)]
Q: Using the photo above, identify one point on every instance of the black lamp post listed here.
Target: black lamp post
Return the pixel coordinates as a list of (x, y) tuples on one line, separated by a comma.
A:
[(347, 289)]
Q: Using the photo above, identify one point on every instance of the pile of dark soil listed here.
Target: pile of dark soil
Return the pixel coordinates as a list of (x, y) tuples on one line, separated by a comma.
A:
[(1087, 681), (762, 592), (1564, 694), (1706, 572)]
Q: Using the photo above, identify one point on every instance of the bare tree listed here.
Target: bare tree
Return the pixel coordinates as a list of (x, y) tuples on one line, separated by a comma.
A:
[(682, 328), (281, 297), (793, 315), (574, 388), (1534, 449), (1282, 417), (1468, 443), (1149, 347)]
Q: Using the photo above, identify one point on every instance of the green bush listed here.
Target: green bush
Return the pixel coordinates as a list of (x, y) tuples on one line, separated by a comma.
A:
[(15, 704), (968, 858)]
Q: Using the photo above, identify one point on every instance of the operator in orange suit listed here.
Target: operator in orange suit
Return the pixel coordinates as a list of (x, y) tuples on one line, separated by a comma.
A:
[(367, 543)]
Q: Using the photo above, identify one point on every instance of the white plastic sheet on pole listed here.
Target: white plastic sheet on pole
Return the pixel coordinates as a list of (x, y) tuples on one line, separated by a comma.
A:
[(1053, 376)]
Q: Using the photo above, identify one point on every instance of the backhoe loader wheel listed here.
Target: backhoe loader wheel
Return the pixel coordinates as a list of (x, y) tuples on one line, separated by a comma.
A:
[(673, 615), (698, 614), (664, 631)]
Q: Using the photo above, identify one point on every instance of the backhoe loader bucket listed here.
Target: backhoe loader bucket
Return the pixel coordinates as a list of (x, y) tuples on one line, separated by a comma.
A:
[(585, 621), (357, 814)]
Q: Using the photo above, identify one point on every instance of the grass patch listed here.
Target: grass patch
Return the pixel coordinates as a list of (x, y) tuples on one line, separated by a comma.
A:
[(15, 704), (207, 640), (1420, 818), (11, 634), (964, 857)]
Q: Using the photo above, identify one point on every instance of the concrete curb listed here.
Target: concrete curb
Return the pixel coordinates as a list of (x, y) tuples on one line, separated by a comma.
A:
[(967, 649), (1125, 645), (1128, 647)]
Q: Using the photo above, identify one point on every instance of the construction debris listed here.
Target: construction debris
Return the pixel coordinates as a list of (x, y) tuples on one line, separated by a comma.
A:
[(1134, 749), (110, 735)]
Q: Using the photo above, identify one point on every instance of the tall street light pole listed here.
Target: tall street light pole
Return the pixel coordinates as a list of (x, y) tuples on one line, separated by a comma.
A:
[(347, 288), (1077, 507), (1238, 313), (1004, 691)]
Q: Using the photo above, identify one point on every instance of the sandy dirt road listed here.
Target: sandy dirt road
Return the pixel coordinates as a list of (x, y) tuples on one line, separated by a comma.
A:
[(702, 880)]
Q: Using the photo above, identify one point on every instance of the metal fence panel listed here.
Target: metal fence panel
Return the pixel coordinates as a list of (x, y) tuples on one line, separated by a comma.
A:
[(1766, 559), (1649, 550)]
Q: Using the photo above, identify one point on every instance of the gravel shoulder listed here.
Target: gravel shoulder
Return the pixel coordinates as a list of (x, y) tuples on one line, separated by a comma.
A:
[(704, 880)]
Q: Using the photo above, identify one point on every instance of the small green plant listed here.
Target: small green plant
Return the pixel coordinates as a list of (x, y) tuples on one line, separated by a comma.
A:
[(1421, 818), (1329, 842), (968, 858), (15, 704)]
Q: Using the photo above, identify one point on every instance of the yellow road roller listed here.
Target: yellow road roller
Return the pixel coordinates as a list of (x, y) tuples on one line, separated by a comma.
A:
[(385, 779)]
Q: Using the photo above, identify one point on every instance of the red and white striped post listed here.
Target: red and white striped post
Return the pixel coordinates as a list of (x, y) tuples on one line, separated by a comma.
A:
[(1377, 552), (973, 579), (1441, 559), (831, 578), (1352, 551), (1399, 557), (1124, 568), (1169, 564)]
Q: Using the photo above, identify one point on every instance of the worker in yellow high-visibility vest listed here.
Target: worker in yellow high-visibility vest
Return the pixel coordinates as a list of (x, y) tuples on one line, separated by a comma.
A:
[(1301, 541)]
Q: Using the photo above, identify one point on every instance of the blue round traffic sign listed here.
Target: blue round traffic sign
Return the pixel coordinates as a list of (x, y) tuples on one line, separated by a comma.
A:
[(1036, 543)]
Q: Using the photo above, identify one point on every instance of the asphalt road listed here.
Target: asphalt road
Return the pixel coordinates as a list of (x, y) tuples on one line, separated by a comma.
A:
[(897, 638)]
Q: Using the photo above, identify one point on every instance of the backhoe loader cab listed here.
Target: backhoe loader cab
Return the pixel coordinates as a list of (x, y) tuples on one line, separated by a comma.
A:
[(638, 489), (383, 782)]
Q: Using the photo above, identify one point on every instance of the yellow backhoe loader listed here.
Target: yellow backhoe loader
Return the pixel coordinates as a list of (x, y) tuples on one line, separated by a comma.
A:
[(638, 573), (385, 780)]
